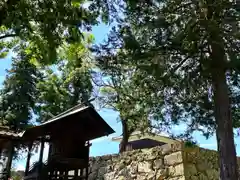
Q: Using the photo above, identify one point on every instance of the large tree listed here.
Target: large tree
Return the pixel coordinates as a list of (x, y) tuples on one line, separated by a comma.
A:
[(116, 92), (117, 80), (190, 50), (17, 98)]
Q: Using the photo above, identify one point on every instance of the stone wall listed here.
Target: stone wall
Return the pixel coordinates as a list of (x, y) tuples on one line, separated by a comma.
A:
[(164, 162), (167, 162)]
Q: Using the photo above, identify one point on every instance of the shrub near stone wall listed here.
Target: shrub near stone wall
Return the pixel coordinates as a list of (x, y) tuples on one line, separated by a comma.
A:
[(200, 164), (164, 162)]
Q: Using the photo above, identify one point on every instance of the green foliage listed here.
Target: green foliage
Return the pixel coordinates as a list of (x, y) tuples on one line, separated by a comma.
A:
[(19, 92), (118, 91), (45, 25), (66, 84), (189, 49), (168, 42), (190, 144), (16, 175), (6, 45)]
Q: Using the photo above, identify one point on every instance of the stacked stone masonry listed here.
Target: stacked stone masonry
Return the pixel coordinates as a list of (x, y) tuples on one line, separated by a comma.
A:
[(167, 162)]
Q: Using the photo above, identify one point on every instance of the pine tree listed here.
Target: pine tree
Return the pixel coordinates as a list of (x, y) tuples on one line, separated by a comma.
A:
[(19, 93)]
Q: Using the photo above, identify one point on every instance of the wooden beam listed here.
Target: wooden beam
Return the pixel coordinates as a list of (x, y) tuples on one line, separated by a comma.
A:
[(87, 168), (10, 158), (50, 151), (75, 173), (40, 161), (28, 158)]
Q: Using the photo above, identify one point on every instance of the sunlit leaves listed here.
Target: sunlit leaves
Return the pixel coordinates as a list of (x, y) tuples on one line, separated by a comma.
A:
[(68, 83), (47, 24)]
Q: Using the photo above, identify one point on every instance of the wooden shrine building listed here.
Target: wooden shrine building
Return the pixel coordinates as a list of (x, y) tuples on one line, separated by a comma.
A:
[(8, 140), (68, 135)]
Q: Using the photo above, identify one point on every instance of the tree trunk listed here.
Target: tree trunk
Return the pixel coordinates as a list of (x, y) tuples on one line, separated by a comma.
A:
[(224, 130), (222, 112), (125, 136), (222, 106)]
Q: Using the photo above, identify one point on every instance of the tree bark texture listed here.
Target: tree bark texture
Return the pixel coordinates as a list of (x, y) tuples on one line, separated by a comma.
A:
[(224, 130), (222, 105), (125, 136), (222, 112)]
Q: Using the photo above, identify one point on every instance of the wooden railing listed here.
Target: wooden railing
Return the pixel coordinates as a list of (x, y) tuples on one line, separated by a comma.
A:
[(3, 176), (49, 173)]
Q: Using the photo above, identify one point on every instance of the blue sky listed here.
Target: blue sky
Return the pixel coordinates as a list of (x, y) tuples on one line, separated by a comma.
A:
[(104, 145)]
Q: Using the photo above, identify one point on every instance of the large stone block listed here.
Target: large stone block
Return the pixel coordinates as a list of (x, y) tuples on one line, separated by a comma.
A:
[(102, 170), (124, 172), (150, 155), (144, 167), (158, 164), (161, 173), (174, 158), (119, 165), (141, 177), (133, 168), (169, 148), (109, 176), (177, 170), (151, 175)]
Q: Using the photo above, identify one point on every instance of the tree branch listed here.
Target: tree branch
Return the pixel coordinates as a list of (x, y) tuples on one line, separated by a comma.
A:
[(180, 64), (8, 35)]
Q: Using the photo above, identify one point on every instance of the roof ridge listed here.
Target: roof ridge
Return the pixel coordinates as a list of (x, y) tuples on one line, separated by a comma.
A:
[(71, 109)]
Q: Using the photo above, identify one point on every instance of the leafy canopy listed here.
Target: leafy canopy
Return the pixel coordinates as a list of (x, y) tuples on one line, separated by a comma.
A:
[(45, 25), (168, 42), (17, 98), (68, 82)]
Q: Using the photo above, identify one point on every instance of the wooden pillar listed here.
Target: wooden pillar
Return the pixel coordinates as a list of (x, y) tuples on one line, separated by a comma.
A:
[(76, 173), (51, 170), (41, 156), (61, 174), (81, 173), (28, 158), (50, 151), (66, 175), (9, 160), (87, 168)]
